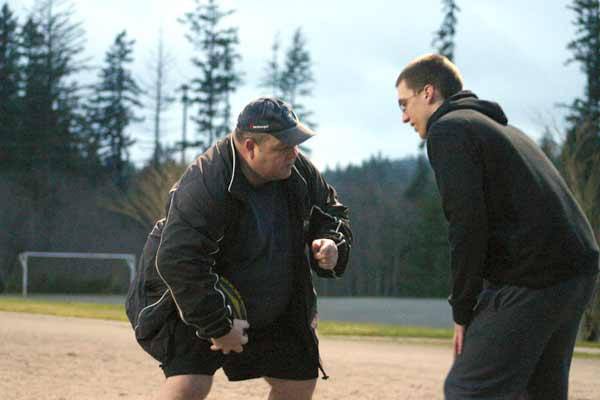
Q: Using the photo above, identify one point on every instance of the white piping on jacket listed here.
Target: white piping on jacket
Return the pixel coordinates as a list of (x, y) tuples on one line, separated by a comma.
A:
[(299, 174), (179, 310), (233, 167)]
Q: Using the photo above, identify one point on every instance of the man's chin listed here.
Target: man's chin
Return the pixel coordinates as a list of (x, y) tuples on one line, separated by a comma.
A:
[(286, 174)]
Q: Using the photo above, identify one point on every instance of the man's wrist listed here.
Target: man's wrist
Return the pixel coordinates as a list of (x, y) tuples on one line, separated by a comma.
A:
[(218, 329)]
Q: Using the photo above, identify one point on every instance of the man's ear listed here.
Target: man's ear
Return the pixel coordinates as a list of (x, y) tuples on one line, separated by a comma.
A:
[(250, 147), (430, 93)]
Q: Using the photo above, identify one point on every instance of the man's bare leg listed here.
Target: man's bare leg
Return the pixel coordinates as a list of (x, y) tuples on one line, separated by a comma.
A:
[(285, 389), (185, 387)]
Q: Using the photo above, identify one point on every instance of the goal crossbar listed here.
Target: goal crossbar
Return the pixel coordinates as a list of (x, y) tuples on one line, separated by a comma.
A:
[(24, 257)]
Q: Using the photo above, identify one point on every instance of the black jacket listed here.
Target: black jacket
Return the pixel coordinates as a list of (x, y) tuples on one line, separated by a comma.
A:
[(512, 219), (181, 262)]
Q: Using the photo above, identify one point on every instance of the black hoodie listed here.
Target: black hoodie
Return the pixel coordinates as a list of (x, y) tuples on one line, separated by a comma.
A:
[(512, 219)]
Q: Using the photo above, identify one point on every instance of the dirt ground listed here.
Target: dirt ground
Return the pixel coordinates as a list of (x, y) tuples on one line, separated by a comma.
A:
[(56, 358)]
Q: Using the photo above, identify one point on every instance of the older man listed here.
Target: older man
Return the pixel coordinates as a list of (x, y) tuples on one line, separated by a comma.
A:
[(254, 210)]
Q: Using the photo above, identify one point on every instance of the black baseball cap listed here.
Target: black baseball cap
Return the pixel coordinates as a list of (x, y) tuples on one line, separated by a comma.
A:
[(275, 117)]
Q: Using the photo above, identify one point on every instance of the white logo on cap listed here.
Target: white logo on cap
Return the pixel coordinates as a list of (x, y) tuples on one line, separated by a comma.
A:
[(259, 126)]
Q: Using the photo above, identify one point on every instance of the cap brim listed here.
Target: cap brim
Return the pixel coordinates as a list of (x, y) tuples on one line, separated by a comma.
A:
[(295, 135)]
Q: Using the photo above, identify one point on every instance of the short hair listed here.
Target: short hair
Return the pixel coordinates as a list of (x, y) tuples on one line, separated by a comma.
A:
[(432, 69), (241, 135)]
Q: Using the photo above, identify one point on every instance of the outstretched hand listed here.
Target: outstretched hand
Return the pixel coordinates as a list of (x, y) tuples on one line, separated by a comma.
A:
[(325, 252)]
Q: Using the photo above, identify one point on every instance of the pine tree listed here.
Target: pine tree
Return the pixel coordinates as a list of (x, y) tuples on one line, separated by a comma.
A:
[(10, 79), (51, 47), (551, 147), (32, 138), (113, 108), (427, 255), (581, 150), (586, 51), (443, 40), (10, 146), (48, 142), (216, 62), (271, 79), (296, 78)]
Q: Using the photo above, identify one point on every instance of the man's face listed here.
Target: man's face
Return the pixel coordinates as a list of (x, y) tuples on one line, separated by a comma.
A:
[(415, 108), (272, 159)]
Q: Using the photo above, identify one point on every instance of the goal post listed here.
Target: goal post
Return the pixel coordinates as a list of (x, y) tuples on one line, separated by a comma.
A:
[(24, 257)]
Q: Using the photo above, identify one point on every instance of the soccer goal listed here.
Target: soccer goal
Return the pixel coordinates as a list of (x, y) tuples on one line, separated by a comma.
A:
[(25, 256)]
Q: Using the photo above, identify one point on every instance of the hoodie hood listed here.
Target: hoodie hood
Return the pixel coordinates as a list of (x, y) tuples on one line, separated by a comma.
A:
[(467, 100)]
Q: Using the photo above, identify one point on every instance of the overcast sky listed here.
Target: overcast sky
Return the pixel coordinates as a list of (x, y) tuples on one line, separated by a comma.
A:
[(508, 51)]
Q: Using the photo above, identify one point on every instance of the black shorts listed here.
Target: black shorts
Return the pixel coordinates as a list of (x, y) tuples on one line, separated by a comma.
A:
[(277, 351)]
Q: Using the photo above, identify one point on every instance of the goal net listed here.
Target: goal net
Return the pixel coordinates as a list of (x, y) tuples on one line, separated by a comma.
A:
[(76, 272)]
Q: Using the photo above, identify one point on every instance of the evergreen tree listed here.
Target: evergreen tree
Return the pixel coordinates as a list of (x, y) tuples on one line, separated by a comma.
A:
[(271, 79), (551, 148), (427, 256), (586, 51), (443, 40), (48, 142), (51, 47), (113, 108), (296, 78), (10, 114), (229, 81), (36, 103), (216, 62), (421, 183), (10, 79), (581, 150)]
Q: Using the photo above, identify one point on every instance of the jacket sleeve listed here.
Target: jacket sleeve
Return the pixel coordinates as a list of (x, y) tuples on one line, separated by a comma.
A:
[(186, 255), (459, 176), (329, 219)]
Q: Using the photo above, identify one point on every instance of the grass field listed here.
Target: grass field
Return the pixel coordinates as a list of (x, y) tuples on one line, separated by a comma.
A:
[(334, 328)]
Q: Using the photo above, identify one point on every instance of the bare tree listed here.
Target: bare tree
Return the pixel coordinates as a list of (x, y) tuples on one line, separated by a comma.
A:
[(159, 93)]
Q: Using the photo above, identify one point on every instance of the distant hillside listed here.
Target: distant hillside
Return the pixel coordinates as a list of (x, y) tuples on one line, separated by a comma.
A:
[(399, 239)]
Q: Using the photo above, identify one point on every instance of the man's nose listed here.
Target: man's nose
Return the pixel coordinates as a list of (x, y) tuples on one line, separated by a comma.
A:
[(405, 117)]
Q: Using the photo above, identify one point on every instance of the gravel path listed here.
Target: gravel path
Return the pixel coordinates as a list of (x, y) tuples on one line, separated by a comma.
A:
[(57, 358)]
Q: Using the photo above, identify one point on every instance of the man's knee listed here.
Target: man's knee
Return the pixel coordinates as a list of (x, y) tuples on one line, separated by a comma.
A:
[(290, 389), (186, 387)]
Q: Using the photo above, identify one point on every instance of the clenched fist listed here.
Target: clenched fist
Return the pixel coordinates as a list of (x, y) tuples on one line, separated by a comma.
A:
[(325, 252)]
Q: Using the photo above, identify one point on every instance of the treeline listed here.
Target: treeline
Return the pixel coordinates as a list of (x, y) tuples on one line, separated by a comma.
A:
[(400, 247), (60, 149), (66, 176)]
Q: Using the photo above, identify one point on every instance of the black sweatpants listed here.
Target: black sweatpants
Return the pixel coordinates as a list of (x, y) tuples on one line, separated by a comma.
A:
[(519, 342)]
